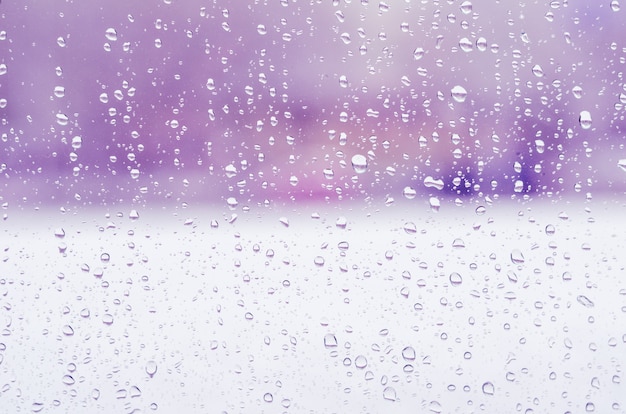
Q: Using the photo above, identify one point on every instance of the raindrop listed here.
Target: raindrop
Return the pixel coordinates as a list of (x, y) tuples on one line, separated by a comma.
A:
[(359, 163), (360, 362), (389, 393), (418, 53), (585, 119), (458, 93), (151, 368), (488, 388), (409, 193), (517, 257), (111, 34), (268, 397), (456, 279), (408, 353), (330, 341), (585, 301)]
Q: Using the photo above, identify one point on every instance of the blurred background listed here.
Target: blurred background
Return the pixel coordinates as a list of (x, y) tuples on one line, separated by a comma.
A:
[(257, 102)]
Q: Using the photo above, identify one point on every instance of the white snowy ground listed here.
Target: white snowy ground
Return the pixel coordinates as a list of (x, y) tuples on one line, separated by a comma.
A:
[(519, 309)]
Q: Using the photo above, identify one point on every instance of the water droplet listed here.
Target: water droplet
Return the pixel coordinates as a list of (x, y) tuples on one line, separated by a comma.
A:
[(134, 173), (466, 45), (389, 393), (111, 34), (585, 301), (59, 233), (345, 37), (330, 341), (62, 119), (615, 5), (488, 388), (68, 380), (408, 353), (517, 257), (456, 279), (319, 261), (59, 91), (466, 7), (550, 229), (409, 193), (360, 362), (151, 368), (68, 330), (107, 319), (458, 93), (435, 204), (410, 228), (537, 71), (585, 119), (359, 163), (37, 407), (418, 53), (61, 41), (431, 182), (622, 164), (268, 397), (284, 221), (577, 91)]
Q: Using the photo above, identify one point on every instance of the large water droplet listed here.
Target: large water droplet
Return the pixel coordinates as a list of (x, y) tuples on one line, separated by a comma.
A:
[(517, 257), (456, 279), (408, 353), (330, 341), (111, 34), (389, 393), (488, 388), (458, 93), (359, 163)]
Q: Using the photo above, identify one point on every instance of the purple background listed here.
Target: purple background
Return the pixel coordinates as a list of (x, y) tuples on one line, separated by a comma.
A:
[(278, 96)]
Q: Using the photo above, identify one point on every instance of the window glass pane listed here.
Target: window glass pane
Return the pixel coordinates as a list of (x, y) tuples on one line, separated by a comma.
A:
[(312, 206)]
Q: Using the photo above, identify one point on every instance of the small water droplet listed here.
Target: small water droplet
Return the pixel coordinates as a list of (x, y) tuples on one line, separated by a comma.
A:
[(360, 362), (408, 353), (435, 204), (456, 279), (585, 119), (585, 301), (268, 397), (68, 380), (418, 53), (151, 368), (488, 388)]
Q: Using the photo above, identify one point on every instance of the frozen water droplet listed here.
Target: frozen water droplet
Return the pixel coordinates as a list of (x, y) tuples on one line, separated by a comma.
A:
[(517, 257), (585, 119), (359, 163), (330, 341), (488, 388), (389, 393), (458, 93)]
